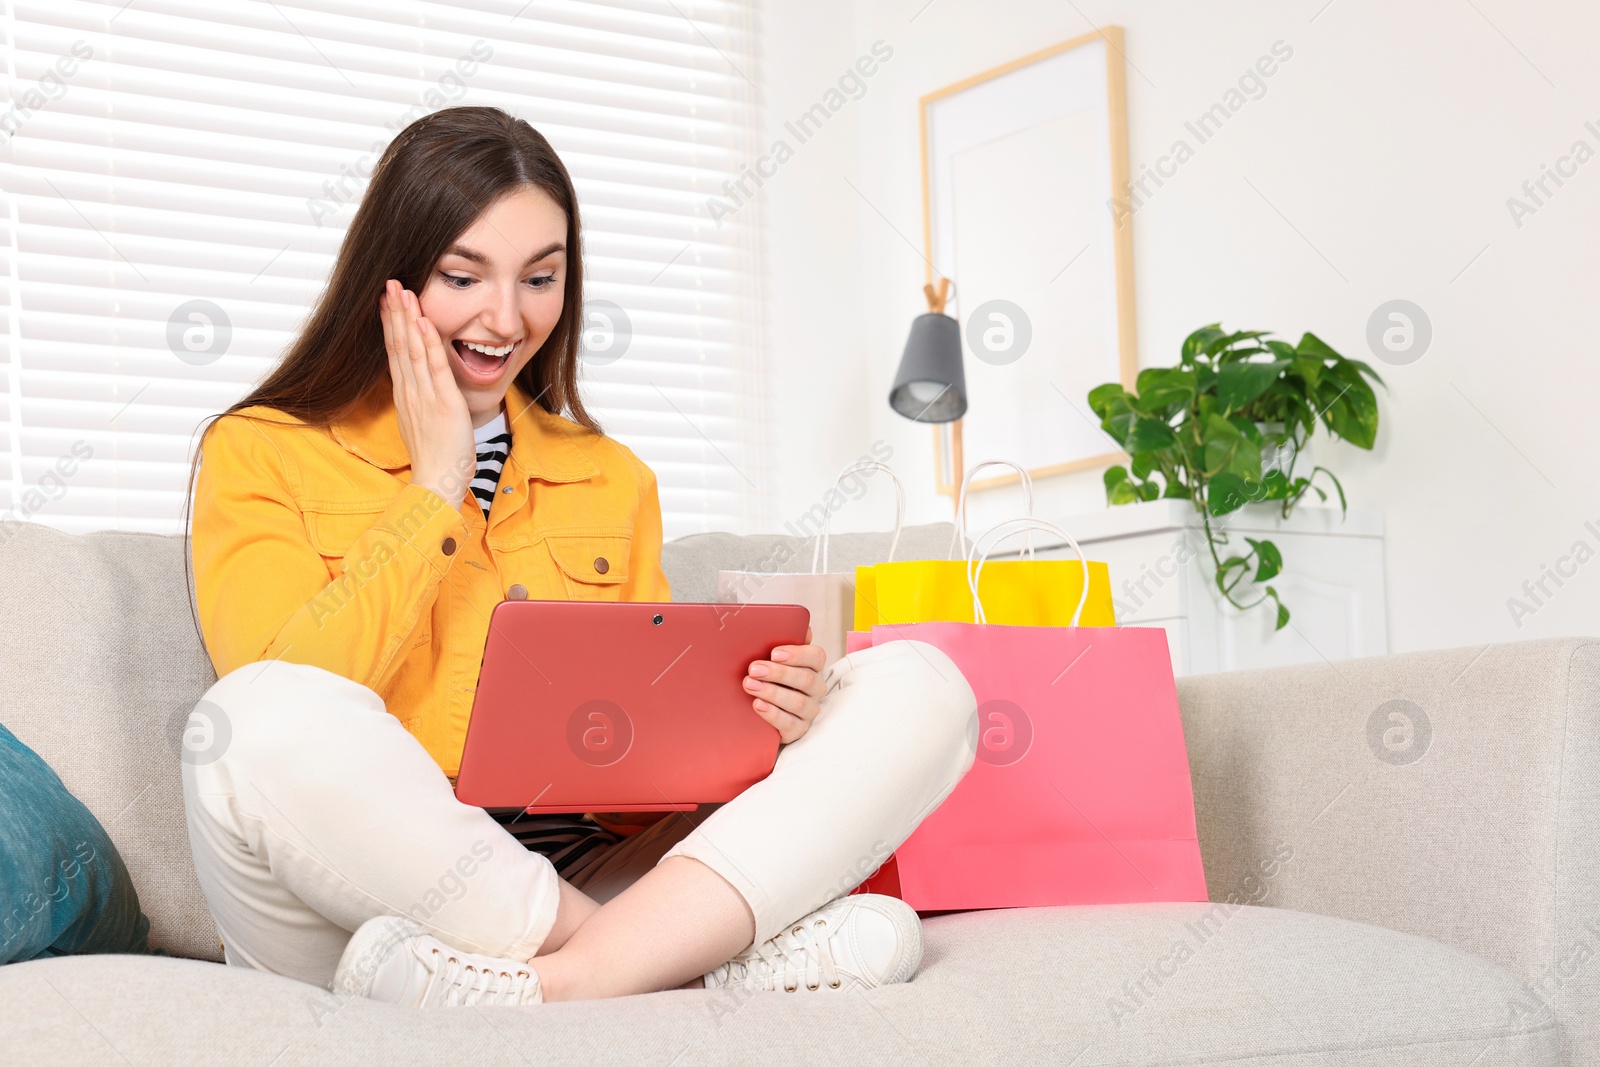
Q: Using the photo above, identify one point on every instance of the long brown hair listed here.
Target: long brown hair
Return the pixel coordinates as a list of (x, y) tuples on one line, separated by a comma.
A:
[(434, 180)]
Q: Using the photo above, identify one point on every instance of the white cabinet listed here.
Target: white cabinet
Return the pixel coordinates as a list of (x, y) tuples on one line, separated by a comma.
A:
[(1161, 575)]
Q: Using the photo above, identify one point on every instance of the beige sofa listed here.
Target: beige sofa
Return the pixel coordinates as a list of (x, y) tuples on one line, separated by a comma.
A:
[(1440, 911)]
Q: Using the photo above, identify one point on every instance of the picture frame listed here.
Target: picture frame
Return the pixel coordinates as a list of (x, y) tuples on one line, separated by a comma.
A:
[(1022, 163)]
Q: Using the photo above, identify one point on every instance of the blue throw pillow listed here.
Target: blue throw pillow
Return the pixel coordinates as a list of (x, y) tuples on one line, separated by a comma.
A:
[(63, 887)]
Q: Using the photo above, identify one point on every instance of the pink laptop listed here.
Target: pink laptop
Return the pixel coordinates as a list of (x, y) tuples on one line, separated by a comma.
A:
[(620, 706)]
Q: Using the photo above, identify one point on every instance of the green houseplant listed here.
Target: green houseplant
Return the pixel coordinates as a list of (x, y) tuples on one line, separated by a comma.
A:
[(1197, 431)]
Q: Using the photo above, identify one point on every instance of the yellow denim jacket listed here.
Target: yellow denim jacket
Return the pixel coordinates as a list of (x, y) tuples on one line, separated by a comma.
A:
[(312, 545)]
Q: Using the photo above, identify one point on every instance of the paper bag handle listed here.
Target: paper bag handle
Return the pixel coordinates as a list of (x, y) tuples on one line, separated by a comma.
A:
[(1028, 523), (820, 547), (961, 503)]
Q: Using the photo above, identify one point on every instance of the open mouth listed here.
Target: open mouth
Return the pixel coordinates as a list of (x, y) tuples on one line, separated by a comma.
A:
[(484, 365)]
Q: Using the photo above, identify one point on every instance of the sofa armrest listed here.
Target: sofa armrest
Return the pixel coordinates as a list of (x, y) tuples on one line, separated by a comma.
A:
[(1452, 794)]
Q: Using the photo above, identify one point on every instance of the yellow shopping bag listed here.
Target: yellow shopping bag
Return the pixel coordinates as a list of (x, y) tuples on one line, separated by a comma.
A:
[(1020, 592)]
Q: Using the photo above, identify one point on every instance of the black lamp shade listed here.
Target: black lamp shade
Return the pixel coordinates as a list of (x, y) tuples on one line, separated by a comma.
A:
[(931, 385)]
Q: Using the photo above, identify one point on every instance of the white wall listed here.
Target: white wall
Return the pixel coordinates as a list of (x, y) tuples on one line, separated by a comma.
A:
[(1390, 141), (811, 278)]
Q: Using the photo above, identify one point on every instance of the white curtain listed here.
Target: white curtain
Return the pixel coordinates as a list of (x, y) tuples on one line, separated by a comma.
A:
[(178, 175)]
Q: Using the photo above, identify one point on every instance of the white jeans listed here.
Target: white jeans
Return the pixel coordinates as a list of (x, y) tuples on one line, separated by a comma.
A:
[(311, 810)]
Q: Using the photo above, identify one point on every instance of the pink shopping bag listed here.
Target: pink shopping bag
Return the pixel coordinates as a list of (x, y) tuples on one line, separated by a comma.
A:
[(1080, 790)]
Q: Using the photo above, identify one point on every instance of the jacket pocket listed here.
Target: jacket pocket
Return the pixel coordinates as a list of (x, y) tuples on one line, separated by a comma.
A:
[(593, 566), (334, 534)]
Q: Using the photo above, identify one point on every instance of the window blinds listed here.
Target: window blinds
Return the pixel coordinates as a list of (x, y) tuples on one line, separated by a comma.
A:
[(178, 175)]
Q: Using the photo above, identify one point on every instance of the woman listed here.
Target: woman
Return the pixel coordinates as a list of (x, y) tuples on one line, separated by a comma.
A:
[(355, 520)]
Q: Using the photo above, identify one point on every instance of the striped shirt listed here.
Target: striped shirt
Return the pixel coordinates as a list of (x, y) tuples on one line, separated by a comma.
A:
[(494, 445), (569, 842)]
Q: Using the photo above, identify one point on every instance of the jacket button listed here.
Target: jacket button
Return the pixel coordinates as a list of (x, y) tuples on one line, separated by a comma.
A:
[(448, 547), (601, 565), (518, 592)]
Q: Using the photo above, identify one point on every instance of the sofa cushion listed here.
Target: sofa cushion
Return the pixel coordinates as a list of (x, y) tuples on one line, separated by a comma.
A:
[(1450, 793), (1087, 985), (104, 664), (63, 887)]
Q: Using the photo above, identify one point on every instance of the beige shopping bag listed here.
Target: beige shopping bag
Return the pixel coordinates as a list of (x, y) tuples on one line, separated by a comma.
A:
[(829, 597)]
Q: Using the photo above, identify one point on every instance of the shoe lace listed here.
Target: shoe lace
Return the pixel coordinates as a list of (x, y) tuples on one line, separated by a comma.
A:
[(455, 981), (804, 952)]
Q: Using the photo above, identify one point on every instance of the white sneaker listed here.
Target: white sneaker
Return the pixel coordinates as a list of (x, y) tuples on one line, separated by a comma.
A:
[(854, 943), (393, 960)]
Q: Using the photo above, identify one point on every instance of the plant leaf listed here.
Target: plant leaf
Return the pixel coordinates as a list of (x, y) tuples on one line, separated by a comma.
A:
[(1232, 563), (1248, 428), (1310, 370), (1228, 449), (1149, 435), (1118, 491), (1315, 347), (1269, 562), (1352, 411), (1177, 490), (1118, 426), (1283, 612), (1367, 370), (1221, 437), (1240, 383), (1101, 397), (1196, 342), (1246, 463), (1226, 492), (1217, 344), (1336, 485), (1163, 387), (1237, 453)]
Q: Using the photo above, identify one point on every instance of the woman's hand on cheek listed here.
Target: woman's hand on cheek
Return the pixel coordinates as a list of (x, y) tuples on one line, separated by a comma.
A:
[(788, 688), (434, 421)]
